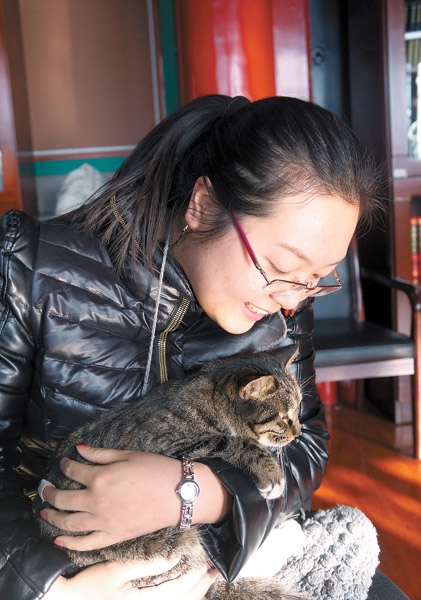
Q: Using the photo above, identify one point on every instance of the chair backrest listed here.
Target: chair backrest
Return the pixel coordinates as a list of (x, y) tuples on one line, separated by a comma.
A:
[(347, 347), (347, 303)]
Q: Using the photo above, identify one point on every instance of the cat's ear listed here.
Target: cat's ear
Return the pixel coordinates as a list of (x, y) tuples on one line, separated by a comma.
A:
[(288, 354), (256, 389)]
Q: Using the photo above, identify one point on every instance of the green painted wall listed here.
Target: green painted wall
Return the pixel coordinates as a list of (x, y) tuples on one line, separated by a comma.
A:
[(169, 54), (47, 168)]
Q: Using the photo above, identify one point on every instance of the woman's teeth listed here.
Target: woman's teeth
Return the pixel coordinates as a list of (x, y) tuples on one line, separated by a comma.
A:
[(256, 310)]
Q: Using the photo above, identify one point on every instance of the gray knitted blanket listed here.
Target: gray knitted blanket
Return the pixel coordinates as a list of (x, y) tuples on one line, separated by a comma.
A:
[(338, 558), (332, 556)]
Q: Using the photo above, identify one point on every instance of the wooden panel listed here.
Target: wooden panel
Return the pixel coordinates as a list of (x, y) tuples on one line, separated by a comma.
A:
[(249, 48), (9, 200), (10, 197), (291, 35), (87, 70), (196, 50), (225, 48), (366, 370), (397, 77)]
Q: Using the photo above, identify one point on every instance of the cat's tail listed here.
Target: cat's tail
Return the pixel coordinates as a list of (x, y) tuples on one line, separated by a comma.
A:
[(253, 588)]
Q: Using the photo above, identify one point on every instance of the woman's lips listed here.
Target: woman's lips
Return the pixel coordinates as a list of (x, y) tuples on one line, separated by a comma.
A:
[(253, 312)]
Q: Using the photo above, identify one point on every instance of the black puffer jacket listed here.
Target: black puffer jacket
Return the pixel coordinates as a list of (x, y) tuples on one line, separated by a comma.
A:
[(73, 342)]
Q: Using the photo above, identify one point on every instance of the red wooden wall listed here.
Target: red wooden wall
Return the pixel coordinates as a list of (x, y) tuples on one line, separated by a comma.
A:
[(10, 195), (248, 47)]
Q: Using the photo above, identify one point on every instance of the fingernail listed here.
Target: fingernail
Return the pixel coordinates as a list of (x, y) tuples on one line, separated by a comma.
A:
[(42, 514), (42, 485), (58, 543), (82, 447)]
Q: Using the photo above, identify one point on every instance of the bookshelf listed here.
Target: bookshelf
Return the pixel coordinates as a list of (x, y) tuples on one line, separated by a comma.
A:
[(404, 75), (402, 97), (384, 50)]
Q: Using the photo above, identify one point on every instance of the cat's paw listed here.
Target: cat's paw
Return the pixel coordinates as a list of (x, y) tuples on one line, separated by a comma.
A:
[(273, 491)]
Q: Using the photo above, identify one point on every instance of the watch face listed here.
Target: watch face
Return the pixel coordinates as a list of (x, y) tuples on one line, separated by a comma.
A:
[(188, 491)]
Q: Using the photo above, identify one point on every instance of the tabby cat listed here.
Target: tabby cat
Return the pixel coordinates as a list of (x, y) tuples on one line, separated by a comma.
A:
[(239, 409)]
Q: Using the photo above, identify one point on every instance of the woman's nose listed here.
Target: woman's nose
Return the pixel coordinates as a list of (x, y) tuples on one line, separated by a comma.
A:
[(290, 301)]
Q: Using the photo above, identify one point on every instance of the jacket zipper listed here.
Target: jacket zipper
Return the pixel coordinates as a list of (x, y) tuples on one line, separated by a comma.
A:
[(162, 340)]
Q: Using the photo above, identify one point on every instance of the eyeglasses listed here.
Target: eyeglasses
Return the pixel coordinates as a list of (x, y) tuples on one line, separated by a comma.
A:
[(283, 287)]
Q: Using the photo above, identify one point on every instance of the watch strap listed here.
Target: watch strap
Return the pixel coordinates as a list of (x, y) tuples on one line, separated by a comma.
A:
[(187, 505)]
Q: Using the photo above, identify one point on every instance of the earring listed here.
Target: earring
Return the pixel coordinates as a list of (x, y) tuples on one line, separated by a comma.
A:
[(181, 235)]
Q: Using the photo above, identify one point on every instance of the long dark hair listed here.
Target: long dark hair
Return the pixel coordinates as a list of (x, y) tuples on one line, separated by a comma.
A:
[(252, 155)]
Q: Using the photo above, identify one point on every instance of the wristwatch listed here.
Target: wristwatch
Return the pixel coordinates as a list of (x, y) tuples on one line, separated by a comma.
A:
[(188, 491)]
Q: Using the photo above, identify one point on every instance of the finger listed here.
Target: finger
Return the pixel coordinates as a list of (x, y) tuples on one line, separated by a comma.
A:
[(77, 471), (74, 500), (82, 543), (127, 571), (43, 484), (117, 576), (202, 585), (192, 586), (72, 522), (101, 456)]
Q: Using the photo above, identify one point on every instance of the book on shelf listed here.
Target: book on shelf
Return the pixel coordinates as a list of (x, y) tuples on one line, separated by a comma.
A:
[(415, 223), (413, 15), (412, 27), (413, 32)]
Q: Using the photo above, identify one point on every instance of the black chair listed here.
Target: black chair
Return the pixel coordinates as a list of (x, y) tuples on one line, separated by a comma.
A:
[(350, 348)]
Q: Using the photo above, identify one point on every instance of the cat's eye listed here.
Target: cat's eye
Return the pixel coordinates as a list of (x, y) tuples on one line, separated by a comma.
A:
[(267, 419)]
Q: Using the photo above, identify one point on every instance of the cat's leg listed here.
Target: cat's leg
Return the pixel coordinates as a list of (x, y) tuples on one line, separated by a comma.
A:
[(263, 468), (252, 458), (253, 589)]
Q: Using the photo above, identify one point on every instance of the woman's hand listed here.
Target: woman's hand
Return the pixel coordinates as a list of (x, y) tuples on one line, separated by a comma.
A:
[(111, 581), (128, 494)]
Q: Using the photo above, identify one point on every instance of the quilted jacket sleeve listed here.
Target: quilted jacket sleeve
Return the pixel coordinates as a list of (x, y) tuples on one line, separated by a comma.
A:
[(28, 565), (230, 543)]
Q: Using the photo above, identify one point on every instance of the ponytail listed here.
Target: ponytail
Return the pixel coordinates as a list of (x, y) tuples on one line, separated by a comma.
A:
[(131, 211)]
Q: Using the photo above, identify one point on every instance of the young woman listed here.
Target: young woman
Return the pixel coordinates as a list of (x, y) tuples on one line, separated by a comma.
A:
[(210, 240)]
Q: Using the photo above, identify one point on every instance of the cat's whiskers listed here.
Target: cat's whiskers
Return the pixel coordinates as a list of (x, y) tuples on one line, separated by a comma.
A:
[(280, 453), (305, 391)]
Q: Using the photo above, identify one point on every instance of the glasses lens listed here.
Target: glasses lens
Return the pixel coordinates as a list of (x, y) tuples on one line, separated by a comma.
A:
[(325, 285), (323, 291)]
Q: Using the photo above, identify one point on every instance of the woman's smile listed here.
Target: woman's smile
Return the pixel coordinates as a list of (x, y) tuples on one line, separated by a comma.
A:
[(253, 312)]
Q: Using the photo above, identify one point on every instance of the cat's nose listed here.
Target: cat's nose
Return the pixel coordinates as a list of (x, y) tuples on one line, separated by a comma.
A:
[(296, 430)]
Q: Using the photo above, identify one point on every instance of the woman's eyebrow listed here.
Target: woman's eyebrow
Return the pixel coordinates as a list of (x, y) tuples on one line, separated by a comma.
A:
[(294, 251), (302, 256)]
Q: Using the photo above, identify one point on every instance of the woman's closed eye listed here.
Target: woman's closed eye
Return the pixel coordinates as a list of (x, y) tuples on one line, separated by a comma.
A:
[(290, 274), (276, 271), (283, 275)]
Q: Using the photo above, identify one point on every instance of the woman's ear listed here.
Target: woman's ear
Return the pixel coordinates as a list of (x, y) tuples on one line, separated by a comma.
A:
[(200, 205)]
